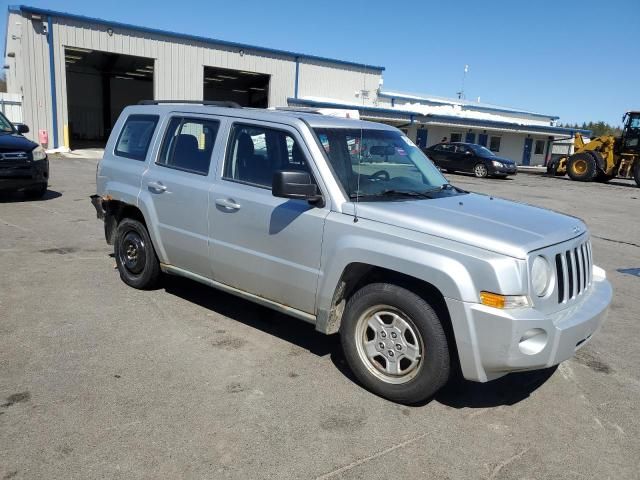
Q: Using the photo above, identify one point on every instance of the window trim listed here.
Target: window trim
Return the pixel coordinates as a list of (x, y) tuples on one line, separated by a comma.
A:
[(451, 134), (164, 138), (119, 153), (227, 152)]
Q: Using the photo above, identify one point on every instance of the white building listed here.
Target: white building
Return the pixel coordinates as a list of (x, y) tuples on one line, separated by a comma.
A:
[(75, 75)]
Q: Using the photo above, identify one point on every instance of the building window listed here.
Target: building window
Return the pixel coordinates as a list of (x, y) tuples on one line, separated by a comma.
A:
[(456, 137), (136, 136), (539, 150), (494, 144)]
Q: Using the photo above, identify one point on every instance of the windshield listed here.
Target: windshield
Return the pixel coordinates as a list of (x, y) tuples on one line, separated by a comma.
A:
[(378, 162), (5, 125), (482, 151)]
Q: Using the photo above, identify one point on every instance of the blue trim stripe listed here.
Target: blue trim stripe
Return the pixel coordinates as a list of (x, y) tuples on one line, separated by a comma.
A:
[(472, 122), (52, 76), (295, 93), (479, 107), (184, 36)]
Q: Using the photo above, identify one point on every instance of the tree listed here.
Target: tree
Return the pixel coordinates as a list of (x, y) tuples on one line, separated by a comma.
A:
[(598, 129)]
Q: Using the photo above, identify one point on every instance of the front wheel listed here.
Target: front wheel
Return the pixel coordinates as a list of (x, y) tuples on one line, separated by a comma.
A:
[(394, 343), (36, 192), (135, 256), (480, 170)]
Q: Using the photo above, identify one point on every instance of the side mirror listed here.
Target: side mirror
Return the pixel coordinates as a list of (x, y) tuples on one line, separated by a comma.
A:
[(22, 128), (468, 153), (297, 185)]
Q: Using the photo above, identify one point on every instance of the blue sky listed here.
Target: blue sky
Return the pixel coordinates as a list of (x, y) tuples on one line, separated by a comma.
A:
[(578, 60)]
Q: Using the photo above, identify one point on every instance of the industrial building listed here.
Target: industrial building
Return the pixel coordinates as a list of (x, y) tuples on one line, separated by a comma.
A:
[(75, 75)]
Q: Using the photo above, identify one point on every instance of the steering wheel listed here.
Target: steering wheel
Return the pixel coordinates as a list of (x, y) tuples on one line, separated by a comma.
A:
[(381, 175)]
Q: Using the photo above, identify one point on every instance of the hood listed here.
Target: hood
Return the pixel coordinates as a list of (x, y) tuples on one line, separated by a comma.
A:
[(498, 225), (15, 141)]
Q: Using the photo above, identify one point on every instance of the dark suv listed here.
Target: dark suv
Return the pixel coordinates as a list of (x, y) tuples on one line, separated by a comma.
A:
[(23, 164), (470, 157)]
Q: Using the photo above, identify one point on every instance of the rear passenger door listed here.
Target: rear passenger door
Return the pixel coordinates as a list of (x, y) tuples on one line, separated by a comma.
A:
[(261, 244), (177, 186)]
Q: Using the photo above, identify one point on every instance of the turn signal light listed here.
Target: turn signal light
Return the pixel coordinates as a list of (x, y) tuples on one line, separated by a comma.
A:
[(502, 302)]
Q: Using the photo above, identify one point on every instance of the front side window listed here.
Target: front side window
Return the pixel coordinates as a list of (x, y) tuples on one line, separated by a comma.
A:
[(136, 136), (256, 152), (494, 144), (371, 163), (188, 144)]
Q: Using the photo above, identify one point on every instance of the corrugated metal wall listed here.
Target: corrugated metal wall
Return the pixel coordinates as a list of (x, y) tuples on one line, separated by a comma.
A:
[(179, 67)]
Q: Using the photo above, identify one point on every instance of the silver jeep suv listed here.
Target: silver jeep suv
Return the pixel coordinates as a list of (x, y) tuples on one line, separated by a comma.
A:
[(346, 224)]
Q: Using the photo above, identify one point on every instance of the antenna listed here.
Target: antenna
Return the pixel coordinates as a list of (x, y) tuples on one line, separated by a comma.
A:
[(464, 76)]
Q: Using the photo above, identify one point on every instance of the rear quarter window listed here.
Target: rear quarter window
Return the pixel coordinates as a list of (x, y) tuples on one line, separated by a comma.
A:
[(135, 137)]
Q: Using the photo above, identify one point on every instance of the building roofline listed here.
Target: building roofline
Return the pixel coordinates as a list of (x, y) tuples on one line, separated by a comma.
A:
[(444, 118), (478, 106), (185, 36)]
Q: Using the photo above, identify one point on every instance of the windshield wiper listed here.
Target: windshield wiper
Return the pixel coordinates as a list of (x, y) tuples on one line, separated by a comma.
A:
[(390, 193)]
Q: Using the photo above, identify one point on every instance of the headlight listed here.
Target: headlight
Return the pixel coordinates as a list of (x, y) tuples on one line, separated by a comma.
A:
[(540, 276), (497, 164), (38, 153)]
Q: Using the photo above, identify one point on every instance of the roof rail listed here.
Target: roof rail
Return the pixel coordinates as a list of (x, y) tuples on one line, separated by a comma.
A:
[(300, 110), (210, 103)]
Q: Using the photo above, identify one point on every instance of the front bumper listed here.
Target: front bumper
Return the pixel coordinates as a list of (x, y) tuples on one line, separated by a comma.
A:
[(17, 176), (490, 341)]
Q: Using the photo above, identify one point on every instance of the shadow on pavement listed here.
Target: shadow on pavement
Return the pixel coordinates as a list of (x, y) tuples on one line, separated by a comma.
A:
[(285, 327), (507, 390), (459, 393), (14, 197)]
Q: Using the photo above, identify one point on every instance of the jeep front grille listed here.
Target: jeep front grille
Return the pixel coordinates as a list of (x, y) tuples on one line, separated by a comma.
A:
[(574, 271)]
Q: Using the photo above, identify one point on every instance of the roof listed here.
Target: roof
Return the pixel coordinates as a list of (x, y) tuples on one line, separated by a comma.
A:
[(483, 107), (411, 116), (185, 36), (283, 116)]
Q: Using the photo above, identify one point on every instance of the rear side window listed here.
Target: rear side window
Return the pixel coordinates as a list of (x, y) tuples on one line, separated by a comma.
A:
[(136, 136), (256, 152), (188, 144)]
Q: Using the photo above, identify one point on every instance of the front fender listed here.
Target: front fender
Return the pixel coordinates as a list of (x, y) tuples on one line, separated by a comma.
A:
[(457, 271)]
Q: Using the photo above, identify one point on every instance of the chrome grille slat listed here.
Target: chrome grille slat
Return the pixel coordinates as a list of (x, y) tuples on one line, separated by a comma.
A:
[(579, 270)]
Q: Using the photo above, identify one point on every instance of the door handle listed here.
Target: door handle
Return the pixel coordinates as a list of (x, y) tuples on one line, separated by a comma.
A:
[(227, 203), (157, 187)]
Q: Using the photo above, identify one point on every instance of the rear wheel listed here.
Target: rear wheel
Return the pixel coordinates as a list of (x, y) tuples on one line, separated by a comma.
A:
[(394, 343), (480, 170), (582, 167), (552, 167), (135, 256)]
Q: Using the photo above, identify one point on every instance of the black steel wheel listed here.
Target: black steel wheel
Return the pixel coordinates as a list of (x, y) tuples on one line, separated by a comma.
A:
[(135, 256)]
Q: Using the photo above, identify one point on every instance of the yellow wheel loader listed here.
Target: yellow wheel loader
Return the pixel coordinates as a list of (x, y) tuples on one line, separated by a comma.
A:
[(605, 157)]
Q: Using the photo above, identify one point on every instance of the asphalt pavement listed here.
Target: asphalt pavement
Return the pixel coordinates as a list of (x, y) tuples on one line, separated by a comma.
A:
[(98, 380)]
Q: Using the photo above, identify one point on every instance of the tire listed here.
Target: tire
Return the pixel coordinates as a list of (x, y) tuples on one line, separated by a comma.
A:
[(636, 171), (582, 167), (36, 192), (480, 170), (552, 167), (372, 326), (135, 256)]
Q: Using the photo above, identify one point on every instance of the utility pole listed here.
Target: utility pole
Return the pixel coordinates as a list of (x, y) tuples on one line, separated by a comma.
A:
[(464, 76)]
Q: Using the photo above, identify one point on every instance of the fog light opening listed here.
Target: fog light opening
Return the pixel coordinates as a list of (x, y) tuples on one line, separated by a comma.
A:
[(533, 341)]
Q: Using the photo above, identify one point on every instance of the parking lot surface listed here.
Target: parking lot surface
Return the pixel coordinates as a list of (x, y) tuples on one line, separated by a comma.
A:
[(98, 380)]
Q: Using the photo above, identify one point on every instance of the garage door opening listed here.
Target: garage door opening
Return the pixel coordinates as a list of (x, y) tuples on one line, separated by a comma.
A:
[(249, 89), (99, 86)]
